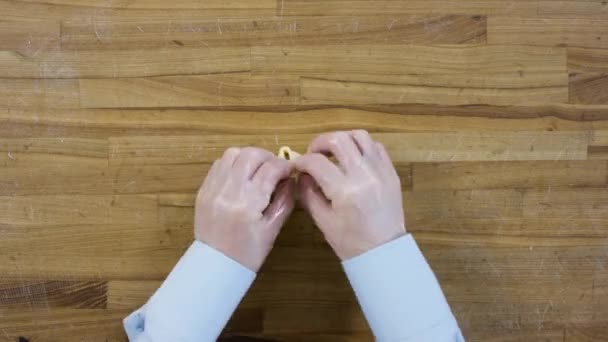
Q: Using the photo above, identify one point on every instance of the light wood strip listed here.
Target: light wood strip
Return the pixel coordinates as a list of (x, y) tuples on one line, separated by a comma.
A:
[(399, 60), (497, 175), (267, 31), (125, 63), (28, 38), (314, 91), (43, 11), (345, 7), (181, 178), (78, 209), (35, 93), (158, 4), (105, 123), (573, 8), (121, 250), (567, 203), (422, 147), (189, 91), (548, 32), (75, 147), (589, 88), (81, 177)]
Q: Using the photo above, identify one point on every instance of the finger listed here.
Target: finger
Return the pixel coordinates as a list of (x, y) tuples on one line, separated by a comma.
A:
[(227, 160), (325, 173), (340, 144), (249, 161), (313, 200), (366, 144), (382, 152), (387, 164), (271, 173), (281, 206), (211, 175)]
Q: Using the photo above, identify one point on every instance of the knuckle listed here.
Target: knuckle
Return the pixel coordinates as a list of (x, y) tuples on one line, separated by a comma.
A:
[(231, 151)]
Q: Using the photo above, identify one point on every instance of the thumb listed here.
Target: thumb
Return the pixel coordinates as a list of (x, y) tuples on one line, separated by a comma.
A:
[(313, 200), (281, 205)]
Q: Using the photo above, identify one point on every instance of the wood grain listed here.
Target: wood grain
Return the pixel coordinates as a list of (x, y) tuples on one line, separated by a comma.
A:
[(268, 31), (589, 88), (105, 123), (424, 147), (36, 93), (188, 91), (416, 59), (582, 60), (573, 8), (496, 175), (548, 32), (78, 209), (345, 7), (28, 38), (314, 91), (124, 63), (43, 11)]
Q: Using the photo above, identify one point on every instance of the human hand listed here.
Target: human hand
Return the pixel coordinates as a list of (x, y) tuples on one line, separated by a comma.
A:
[(234, 212), (356, 204)]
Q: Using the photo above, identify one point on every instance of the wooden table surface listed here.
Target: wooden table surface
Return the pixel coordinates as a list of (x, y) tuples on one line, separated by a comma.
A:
[(494, 112)]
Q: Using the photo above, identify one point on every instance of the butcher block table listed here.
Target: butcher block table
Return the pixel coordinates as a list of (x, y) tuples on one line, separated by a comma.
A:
[(493, 111)]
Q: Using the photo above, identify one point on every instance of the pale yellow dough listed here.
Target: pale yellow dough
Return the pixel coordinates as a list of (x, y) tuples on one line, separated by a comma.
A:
[(287, 153)]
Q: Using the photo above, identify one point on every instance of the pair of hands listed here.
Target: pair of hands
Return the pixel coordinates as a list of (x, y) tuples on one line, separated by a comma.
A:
[(356, 203)]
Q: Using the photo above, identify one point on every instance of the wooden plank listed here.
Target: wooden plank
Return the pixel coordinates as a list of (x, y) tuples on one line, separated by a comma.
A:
[(158, 178), (514, 80), (314, 91), (566, 203), (409, 29), (548, 32), (158, 4), (499, 175), (105, 123), (43, 11), (93, 148), (589, 88), (179, 178), (423, 147), (121, 250), (345, 7), (462, 204), (188, 91), (69, 325), (34, 93), (78, 209), (130, 294), (28, 38), (582, 60), (402, 60), (52, 294), (81, 177), (125, 63), (572, 8)]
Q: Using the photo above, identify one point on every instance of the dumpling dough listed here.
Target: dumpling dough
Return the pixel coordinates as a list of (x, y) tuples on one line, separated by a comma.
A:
[(287, 153)]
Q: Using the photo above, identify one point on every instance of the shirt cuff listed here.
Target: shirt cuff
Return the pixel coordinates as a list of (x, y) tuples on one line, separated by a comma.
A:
[(399, 294), (195, 301)]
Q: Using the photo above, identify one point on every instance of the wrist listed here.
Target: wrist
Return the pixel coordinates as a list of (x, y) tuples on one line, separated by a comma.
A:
[(365, 245), (248, 257)]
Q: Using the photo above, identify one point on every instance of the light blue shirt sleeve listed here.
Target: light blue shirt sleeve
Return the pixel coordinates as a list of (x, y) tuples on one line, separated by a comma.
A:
[(195, 301), (399, 294)]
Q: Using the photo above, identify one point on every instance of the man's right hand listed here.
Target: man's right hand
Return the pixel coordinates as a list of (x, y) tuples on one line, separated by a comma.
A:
[(357, 203)]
